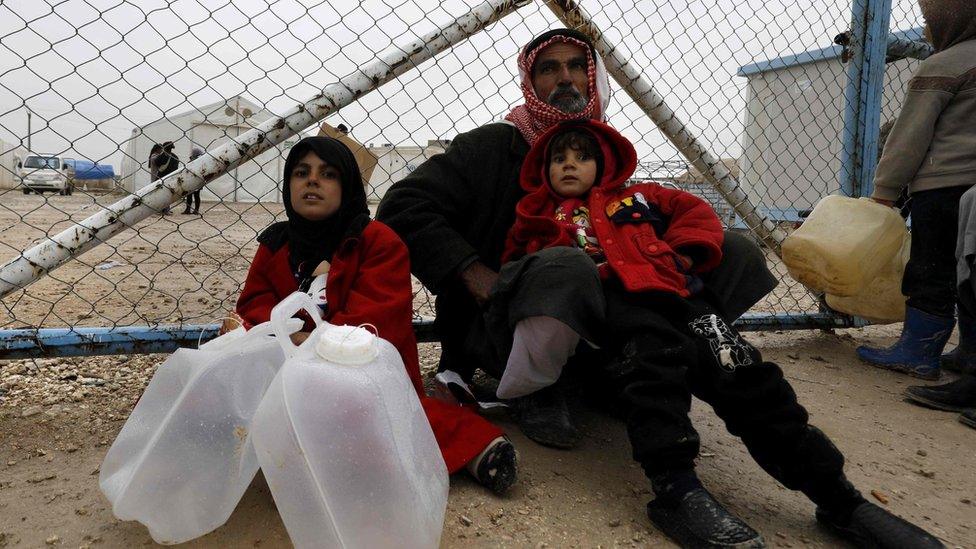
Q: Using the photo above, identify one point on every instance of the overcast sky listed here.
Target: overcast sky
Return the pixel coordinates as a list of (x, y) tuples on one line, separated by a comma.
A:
[(92, 70)]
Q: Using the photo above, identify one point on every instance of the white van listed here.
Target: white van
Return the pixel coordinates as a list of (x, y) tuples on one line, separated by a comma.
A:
[(41, 173)]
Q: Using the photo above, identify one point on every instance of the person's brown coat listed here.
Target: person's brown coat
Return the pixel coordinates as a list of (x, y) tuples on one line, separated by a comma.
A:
[(933, 142)]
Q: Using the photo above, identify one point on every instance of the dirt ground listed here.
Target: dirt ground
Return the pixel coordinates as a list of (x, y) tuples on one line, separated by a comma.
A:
[(58, 416)]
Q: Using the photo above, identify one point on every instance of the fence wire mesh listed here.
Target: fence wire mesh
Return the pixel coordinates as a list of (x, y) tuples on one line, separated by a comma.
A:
[(89, 87)]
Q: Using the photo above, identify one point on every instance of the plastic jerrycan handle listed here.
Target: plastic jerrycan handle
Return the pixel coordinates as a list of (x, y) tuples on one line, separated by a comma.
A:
[(259, 331), (292, 325), (283, 311)]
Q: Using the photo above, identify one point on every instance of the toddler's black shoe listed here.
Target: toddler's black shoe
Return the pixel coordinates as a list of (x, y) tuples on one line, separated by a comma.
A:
[(497, 468)]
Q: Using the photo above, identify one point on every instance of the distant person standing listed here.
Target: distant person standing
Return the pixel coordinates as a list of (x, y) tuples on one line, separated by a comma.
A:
[(162, 162), (193, 197), (156, 150)]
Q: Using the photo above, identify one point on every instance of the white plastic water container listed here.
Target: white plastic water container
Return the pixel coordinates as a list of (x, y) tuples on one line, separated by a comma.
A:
[(182, 460), (344, 443), (843, 245)]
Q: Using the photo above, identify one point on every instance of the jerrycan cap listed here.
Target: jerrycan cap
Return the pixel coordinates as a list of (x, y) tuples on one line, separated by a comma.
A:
[(347, 345)]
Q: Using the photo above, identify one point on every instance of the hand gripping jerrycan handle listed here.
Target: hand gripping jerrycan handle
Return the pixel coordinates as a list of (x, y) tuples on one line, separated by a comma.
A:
[(282, 313)]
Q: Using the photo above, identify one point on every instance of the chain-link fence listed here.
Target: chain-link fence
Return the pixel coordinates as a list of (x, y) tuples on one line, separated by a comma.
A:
[(88, 88)]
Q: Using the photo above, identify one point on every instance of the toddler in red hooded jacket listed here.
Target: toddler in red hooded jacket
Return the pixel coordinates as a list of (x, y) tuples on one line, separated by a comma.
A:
[(644, 236), (633, 255)]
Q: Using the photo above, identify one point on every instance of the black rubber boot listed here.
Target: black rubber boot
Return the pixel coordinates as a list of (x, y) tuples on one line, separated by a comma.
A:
[(963, 357), (949, 362), (871, 526), (698, 521), (544, 417), (957, 396)]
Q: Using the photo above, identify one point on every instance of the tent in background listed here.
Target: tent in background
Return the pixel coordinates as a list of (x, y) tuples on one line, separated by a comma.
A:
[(86, 169)]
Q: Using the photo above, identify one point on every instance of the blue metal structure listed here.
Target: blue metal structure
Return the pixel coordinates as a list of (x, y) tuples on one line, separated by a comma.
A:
[(868, 46), (862, 47), (60, 342)]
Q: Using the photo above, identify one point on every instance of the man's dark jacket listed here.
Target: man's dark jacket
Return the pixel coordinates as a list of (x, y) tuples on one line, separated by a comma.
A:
[(458, 206), (454, 208)]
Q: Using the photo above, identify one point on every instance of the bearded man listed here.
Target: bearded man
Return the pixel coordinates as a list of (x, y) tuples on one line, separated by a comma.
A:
[(454, 212)]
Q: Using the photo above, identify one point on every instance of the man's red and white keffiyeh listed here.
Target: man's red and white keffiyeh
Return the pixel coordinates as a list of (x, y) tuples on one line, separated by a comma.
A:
[(535, 116)]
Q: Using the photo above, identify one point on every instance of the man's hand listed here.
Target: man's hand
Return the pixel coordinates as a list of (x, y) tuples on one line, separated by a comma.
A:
[(883, 202), (299, 337), (479, 280)]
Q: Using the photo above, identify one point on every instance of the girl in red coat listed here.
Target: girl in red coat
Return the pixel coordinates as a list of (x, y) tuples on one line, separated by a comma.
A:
[(628, 260), (358, 271)]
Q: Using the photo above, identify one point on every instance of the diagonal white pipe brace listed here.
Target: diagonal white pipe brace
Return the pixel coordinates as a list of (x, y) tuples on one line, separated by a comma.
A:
[(394, 61), (572, 14)]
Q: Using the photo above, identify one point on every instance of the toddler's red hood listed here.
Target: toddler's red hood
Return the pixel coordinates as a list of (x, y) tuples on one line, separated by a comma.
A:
[(619, 156)]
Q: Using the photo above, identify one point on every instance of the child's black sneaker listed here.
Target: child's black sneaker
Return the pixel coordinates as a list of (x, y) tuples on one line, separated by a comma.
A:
[(872, 526), (497, 467), (698, 521)]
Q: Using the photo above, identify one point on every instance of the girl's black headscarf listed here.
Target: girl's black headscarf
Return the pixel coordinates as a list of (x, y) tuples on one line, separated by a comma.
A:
[(311, 242)]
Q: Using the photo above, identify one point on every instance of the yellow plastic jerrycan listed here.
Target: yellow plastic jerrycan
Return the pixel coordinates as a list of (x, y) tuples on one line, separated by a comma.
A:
[(881, 301), (843, 245)]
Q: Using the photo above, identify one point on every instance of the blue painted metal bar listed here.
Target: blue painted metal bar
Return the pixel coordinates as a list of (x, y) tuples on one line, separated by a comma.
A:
[(60, 342), (757, 322), (872, 91), (64, 342), (865, 82), (849, 160)]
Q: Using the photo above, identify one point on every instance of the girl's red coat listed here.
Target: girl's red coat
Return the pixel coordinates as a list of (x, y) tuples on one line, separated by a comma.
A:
[(369, 283)]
